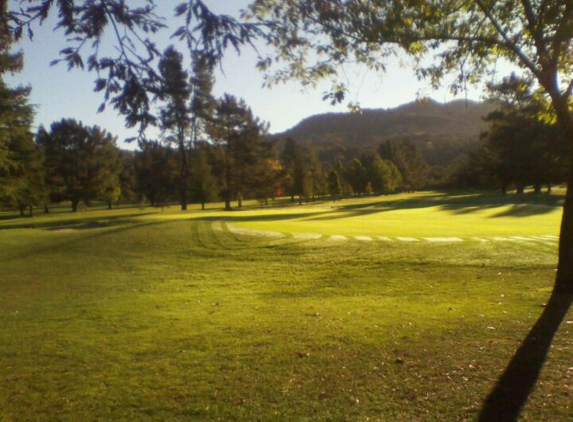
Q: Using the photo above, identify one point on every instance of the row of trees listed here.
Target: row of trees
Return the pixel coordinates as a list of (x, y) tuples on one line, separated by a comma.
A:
[(523, 146)]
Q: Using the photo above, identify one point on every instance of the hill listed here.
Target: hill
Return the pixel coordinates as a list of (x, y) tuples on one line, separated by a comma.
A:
[(441, 131)]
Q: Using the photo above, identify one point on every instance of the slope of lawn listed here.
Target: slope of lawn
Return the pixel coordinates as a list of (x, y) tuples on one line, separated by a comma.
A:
[(145, 316)]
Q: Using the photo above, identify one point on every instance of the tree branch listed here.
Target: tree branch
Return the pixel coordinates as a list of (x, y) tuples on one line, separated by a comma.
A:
[(509, 43)]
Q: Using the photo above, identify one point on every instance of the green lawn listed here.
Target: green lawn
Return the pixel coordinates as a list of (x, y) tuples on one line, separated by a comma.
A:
[(138, 315), (419, 215)]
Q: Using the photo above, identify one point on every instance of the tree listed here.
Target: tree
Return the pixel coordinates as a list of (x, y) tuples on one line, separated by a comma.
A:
[(115, 40), (81, 163), (127, 177), (20, 163), (203, 103), (175, 116), (243, 151), (314, 37), (294, 169), (382, 174), (204, 187), (526, 150), (155, 170), (334, 186), (408, 160), (356, 175)]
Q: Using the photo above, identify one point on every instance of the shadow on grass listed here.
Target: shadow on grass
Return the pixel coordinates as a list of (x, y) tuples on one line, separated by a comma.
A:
[(76, 223), (455, 203), (506, 401)]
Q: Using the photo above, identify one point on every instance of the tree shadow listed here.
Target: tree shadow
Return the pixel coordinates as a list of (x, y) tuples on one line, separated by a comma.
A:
[(77, 222), (507, 399)]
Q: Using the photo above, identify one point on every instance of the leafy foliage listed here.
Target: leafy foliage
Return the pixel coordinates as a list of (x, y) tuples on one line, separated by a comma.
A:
[(82, 163), (129, 77)]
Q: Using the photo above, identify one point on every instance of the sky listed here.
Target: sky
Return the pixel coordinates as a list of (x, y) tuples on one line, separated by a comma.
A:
[(58, 93)]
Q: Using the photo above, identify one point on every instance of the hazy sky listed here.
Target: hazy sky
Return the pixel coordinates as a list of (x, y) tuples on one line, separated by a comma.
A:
[(59, 93)]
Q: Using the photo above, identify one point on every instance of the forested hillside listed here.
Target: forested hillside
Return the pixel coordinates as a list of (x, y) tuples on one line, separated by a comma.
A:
[(441, 132)]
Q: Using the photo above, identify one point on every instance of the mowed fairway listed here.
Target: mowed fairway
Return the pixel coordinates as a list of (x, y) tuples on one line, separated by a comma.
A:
[(145, 316), (413, 215)]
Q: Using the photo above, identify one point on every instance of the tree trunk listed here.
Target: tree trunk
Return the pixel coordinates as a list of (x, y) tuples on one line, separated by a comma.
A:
[(31, 209), (203, 206), (22, 208), (46, 209), (538, 188), (75, 205), (520, 189), (184, 176), (564, 278), (109, 205), (549, 188), (228, 204)]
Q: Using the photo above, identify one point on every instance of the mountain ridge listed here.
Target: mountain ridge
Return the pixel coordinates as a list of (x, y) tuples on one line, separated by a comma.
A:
[(441, 131)]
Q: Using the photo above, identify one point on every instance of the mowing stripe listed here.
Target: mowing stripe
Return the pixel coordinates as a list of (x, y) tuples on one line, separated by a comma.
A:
[(337, 237), (443, 239), (307, 236), (539, 239), (253, 232), (408, 239)]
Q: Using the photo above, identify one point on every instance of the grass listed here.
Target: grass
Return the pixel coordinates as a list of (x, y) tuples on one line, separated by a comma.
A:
[(139, 315)]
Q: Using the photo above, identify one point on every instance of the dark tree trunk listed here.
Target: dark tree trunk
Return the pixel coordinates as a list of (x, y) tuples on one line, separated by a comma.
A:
[(549, 188), (22, 208), (75, 205), (520, 189), (228, 204), (46, 209), (564, 279), (538, 188), (109, 205), (31, 209), (184, 176), (203, 206), (504, 189)]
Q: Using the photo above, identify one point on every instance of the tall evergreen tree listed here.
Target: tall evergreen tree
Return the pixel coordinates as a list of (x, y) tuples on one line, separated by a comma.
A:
[(81, 163), (20, 178), (243, 150), (294, 169), (176, 114)]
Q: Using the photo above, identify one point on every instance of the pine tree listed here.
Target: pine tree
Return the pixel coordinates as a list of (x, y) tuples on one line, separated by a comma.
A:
[(176, 114), (20, 170), (243, 152)]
